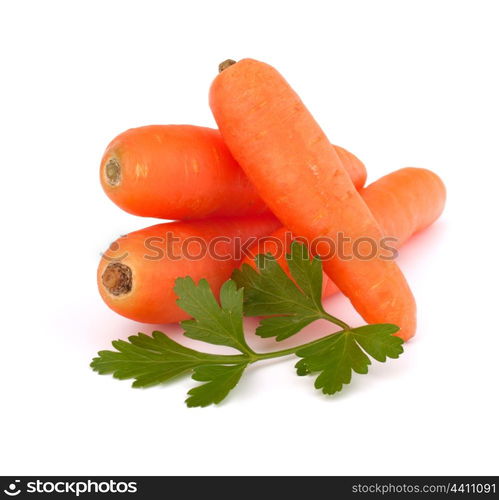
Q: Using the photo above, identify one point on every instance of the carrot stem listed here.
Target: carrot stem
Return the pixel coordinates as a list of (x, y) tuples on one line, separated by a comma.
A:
[(113, 172), (225, 64)]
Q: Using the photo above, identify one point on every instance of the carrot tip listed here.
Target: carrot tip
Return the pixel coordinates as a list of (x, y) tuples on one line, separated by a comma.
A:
[(117, 278), (225, 64), (113, 172)]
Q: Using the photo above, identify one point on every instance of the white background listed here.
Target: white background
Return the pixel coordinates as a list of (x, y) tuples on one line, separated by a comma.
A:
[(399, 83)]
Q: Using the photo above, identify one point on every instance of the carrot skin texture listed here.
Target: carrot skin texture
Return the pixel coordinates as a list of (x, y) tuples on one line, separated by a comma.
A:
[(155, 266), (403, 202), (186, 172), (299, 175), (178, 172), (355, 168)]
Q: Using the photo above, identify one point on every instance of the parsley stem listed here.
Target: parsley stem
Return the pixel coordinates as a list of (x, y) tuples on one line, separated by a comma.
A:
[(291, 350), (231, 359), (253, 357), (277, 354), (336, 321)]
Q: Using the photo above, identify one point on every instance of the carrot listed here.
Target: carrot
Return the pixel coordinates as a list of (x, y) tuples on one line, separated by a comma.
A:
[(299, 175), (403, 202), (141, 288), (184, 172), (136, 275)]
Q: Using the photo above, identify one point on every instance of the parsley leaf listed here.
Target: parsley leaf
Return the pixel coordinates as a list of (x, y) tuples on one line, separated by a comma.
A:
[(269, 291), (336, 356), (213, 323), (221, 379), (152, 360)]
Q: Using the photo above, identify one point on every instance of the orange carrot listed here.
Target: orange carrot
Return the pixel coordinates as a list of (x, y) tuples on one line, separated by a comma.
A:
[(137, 273), (403, 202), (299, 175), (184, 172), (141, 288)]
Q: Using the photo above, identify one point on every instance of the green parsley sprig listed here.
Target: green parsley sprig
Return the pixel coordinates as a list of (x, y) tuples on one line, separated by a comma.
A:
[(289, 305)]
